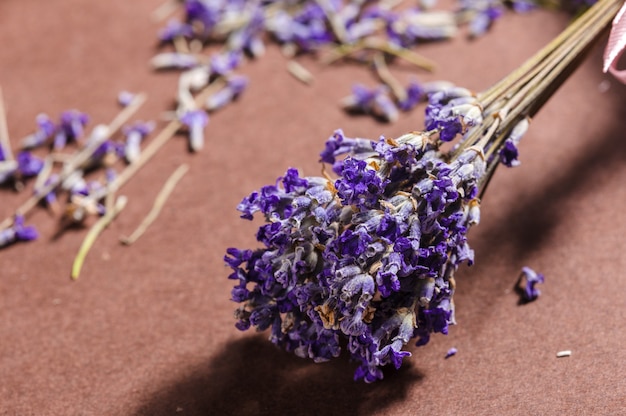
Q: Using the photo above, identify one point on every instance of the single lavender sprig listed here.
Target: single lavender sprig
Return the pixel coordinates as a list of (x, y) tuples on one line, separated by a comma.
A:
[(135, 134), (17, 232), (196, 121), (45, 130), (527, 283), (368, 259), (71, 127)]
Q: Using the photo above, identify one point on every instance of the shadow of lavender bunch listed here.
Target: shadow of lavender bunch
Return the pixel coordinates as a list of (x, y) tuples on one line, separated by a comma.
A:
[(250, 376)]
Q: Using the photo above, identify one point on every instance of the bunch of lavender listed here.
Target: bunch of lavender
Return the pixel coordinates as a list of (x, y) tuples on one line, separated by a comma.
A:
[(368, 259)]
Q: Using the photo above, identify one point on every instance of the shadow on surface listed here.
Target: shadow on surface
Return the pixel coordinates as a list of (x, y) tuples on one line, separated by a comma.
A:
[(253, 377)]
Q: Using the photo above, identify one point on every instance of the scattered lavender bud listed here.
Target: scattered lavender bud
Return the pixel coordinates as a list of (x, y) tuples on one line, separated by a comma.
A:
[(51, 197), (374, 101), (135, 133), (414, 95), (452, 351), (71, 128), (45, 130), (527, 282), (562, 354), (28, 165), (224, 63), (175, 29), (17, 232), (196, 121), (174, 60), (483, 13), (124, 98), (234, 87)]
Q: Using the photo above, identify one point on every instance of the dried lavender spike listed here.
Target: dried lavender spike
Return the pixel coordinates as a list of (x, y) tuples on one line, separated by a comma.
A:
[(234, 87), (527, 284), (452, 351), (196, 121), (135, 133), (17, 232), (45, 130), (124, 98)]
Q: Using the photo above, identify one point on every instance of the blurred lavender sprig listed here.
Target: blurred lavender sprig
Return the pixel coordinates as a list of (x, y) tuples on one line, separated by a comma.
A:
[(368, 259), (341, 27)]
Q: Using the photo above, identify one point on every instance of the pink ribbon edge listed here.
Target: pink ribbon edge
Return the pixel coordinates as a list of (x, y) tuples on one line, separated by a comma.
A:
[(616, 45)]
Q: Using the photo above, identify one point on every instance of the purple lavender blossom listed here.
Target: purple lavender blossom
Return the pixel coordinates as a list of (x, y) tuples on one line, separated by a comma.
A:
[(71, 128), (224, 63), (375, 101), (234, 87), (368, 258), (196, 121), (124, 98), (452, 351), (414, 95), (17, 232), (527, 282), (134, 133), (482, 14), (175, 29), (509, 153), (28, 165), (451, 111), (45, 129)]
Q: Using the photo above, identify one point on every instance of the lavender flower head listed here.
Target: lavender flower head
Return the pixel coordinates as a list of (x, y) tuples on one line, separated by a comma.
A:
[(196, 121), (368, 258), (71, 128), (527, 284), (17, 232)]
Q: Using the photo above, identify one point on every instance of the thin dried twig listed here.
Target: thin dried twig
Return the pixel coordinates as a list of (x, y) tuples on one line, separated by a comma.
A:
[(78, 159), (159, 202), (93, 234), (5, 143)]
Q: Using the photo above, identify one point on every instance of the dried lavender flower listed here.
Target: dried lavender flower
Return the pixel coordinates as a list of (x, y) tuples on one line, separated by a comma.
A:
[(28, 165), (134, 133), (45, 129), (196, 121), (235, 85), (124, 98), (452, 351), (527, 283), (17, 232), (71, 128)]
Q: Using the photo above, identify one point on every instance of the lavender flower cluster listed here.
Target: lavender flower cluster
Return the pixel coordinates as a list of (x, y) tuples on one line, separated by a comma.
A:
[(368, 258), (307, 26), (85, 197)]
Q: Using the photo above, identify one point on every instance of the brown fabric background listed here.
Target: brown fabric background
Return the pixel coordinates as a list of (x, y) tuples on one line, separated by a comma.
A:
[(148, 329)]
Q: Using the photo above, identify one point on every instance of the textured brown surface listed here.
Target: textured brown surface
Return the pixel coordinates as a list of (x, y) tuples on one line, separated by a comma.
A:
[(148, 329)]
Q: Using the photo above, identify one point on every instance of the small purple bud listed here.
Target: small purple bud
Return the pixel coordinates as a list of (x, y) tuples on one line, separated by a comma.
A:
[(124, 98), (196, 121), (236, 84), (452, 351), (28, 165), (134, 135), (527, 282), (17, 232)]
